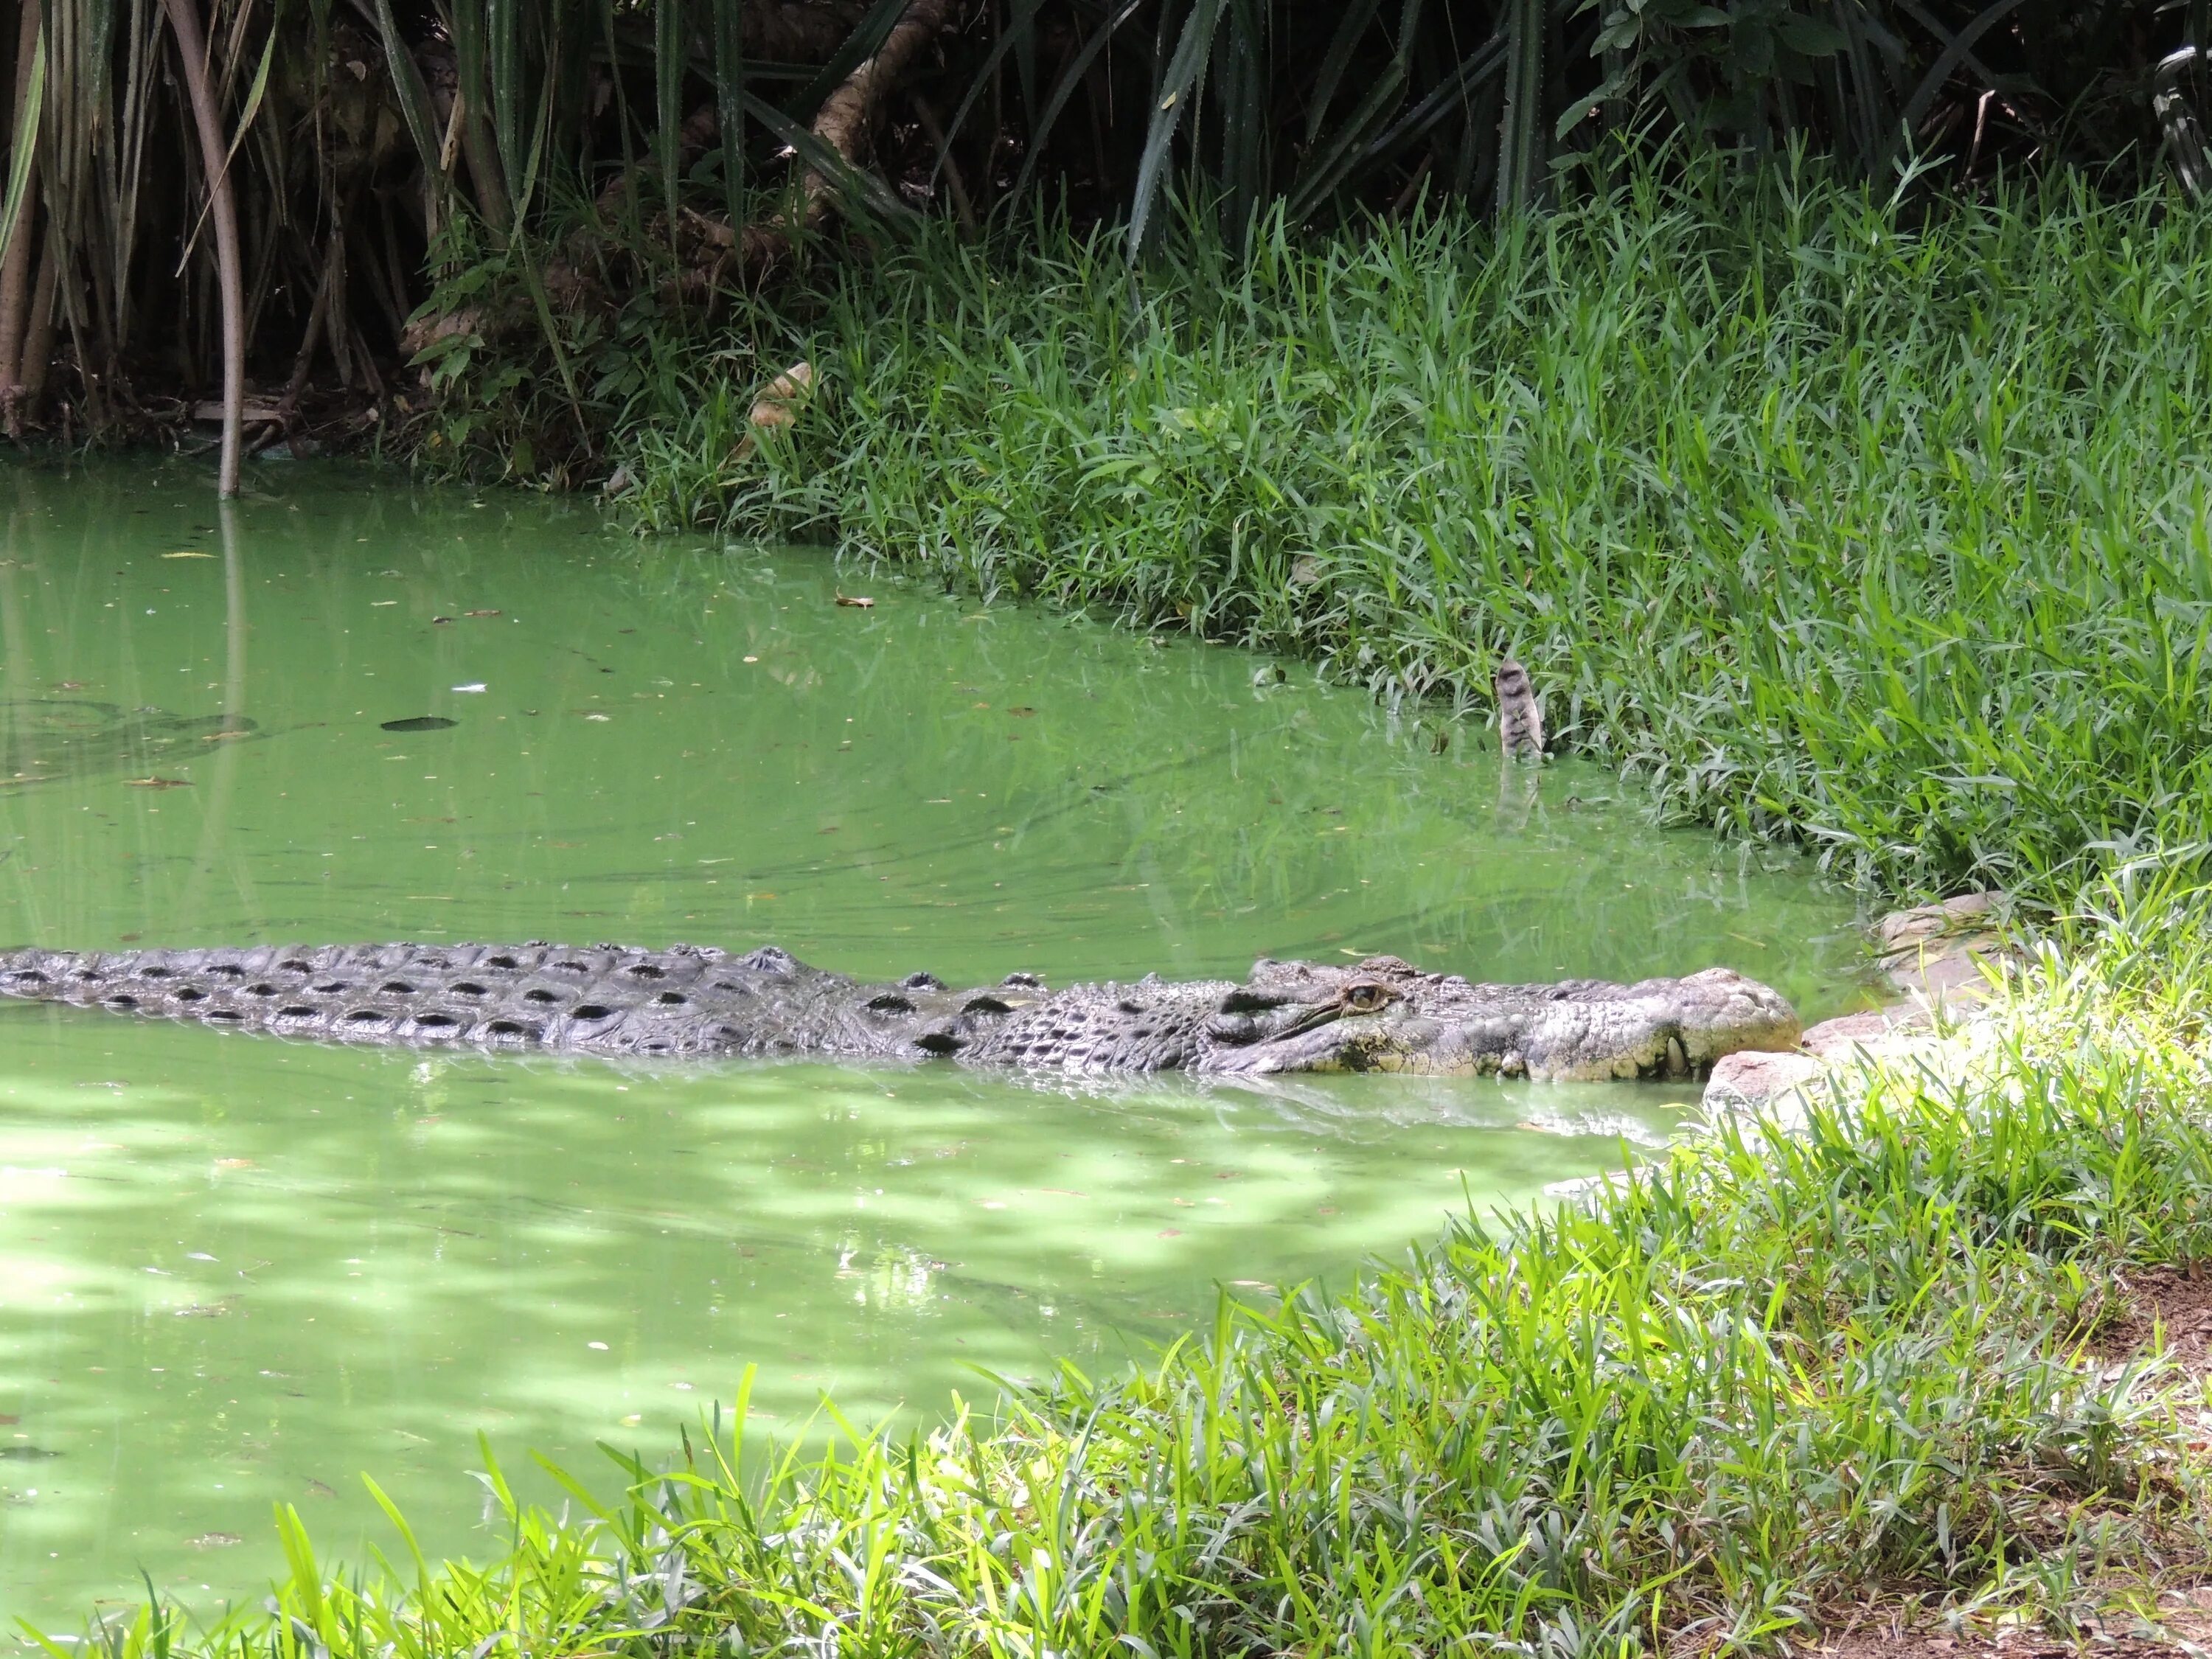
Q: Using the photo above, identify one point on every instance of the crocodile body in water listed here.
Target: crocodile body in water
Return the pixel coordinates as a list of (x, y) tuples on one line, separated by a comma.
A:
[(695, 1002)]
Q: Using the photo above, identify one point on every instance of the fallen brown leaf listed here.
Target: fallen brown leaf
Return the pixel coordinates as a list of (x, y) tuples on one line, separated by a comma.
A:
[(159, 783), (858, 602)]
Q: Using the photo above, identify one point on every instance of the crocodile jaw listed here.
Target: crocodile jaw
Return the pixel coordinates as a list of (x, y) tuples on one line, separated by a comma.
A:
[(1579, 1033)]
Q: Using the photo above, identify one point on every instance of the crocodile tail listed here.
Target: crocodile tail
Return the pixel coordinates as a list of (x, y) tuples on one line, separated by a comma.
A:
[(606, 1000), (244, 989), (40, 975)]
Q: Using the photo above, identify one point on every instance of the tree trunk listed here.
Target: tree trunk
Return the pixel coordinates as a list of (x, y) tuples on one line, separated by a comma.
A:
[(39, 331), (842, 120), (16, 270), (192, 46)]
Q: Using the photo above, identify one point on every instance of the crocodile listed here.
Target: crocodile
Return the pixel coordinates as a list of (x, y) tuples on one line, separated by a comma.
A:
[(693, 1001)]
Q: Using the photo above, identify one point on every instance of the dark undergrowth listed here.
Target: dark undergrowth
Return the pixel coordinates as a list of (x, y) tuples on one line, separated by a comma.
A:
[(1776, 1373), (1890, 537)]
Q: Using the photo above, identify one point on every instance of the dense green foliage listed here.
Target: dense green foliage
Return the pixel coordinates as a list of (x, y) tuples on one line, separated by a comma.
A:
[(1890, 537), (1774, 1373), (352, 135)]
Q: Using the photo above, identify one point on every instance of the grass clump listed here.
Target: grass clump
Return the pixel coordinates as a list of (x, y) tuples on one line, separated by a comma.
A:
[(1888, 536), (1772, 1375)]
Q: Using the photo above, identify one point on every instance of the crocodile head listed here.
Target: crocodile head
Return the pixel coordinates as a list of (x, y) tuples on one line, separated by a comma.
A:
[(1384, 1015)]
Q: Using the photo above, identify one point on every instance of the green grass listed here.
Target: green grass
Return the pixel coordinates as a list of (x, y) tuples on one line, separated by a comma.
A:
[(1891, 538), (1776, 1374)]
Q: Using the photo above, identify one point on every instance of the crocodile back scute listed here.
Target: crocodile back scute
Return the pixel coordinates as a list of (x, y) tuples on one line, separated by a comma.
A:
[(611, 1000)]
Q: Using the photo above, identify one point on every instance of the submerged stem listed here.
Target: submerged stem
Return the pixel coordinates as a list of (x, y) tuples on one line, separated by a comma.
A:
[(191, 47)]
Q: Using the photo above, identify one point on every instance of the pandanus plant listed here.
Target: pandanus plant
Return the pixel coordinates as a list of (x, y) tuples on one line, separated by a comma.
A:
[(237, 188)]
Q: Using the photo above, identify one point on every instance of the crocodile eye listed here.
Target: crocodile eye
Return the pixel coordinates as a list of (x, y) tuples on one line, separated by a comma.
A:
[(1368, 996)]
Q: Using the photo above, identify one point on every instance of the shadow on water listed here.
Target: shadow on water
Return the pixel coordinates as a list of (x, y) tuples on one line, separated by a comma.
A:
[(238, 1271)]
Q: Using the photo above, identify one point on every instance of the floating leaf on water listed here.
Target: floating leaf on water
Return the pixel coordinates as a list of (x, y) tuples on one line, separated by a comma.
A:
[(159, 783), (215, 1540), (1021, 711), (27, 1454), (420, 723), (188, 553), (480, 613), (473, 685), (858, 601), (68, 685), (437, 621)]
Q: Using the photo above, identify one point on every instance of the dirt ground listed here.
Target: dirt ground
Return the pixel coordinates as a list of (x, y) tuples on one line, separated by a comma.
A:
[(2179, 1299)]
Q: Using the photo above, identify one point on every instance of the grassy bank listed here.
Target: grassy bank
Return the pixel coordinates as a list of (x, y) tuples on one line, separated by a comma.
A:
[(1890, 539), (1774, 1377)]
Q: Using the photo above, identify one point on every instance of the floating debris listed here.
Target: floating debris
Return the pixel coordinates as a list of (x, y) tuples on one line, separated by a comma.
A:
[(858, 601), (27, 1454), (420, 723), (215, 1540), (480, 613), (159, 783), (188, 553)]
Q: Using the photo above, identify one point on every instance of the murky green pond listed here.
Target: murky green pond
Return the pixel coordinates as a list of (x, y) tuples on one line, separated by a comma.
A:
[(237, 1271)]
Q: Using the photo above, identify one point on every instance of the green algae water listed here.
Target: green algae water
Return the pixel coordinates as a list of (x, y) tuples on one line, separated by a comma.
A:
[(237, 1272)]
